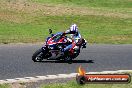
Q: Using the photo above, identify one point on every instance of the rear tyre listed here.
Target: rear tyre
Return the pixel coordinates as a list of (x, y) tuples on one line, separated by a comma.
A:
[(38, 56)]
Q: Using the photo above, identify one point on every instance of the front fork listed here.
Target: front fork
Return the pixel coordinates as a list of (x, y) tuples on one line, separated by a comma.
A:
[(45, 48), (45, 51)]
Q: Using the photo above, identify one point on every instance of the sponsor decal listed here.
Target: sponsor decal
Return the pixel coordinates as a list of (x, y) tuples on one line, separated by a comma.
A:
[(82, 77)]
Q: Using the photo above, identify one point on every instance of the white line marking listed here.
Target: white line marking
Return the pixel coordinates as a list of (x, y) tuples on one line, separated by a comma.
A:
[(58, 76), (125, 70)]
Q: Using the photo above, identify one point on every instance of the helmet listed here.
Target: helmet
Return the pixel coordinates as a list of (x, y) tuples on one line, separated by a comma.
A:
[(74, 28)]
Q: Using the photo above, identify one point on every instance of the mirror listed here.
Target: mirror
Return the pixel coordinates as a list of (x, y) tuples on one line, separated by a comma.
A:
[(50, 31)]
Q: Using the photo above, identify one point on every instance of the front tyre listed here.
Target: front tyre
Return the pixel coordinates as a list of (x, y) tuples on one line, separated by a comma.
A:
[(38, 56)]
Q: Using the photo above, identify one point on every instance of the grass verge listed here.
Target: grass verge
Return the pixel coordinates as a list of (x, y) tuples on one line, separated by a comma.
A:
[(91, 3), (64, 83), (73, 84), (96, 29), (4, 86), (28, 22)]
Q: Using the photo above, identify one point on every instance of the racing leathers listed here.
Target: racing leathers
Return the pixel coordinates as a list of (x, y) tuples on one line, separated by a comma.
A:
[(76, 40)]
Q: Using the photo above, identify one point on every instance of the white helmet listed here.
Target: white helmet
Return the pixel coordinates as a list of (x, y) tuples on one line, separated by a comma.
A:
[(74, 28)]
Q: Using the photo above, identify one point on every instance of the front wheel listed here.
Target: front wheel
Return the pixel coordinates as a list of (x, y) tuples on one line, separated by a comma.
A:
[(38, 56)]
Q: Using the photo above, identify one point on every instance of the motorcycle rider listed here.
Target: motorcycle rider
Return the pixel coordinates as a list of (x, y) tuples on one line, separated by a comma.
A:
[(75, 36)]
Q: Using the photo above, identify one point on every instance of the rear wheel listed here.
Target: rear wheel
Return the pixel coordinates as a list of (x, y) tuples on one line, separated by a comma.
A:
[(38, 56)]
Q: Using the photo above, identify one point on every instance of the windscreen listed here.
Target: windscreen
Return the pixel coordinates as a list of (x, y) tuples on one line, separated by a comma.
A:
[(56, 38)]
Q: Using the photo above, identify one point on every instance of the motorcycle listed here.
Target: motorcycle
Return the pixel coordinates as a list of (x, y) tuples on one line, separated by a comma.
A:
[(53, 48)]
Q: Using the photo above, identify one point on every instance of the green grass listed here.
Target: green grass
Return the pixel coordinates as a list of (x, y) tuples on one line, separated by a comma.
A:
[(30, 25), (91, 3), (4, 86), (96, 29), (124, 6), (73, 84)]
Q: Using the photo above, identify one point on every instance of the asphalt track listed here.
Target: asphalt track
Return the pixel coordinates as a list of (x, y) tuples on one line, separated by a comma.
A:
[(15, 60)]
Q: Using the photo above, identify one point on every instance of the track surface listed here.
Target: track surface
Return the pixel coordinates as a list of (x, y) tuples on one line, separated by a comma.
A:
[(15, 60)]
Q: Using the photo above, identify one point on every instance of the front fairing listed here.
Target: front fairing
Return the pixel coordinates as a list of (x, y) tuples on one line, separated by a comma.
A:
[(52, 42)]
